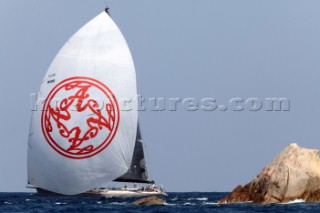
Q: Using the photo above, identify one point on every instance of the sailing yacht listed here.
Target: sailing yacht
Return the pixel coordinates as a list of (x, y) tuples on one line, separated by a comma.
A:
[(79, 137)]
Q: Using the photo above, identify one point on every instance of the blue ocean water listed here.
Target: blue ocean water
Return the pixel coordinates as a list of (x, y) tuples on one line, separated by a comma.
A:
[(177, 202)]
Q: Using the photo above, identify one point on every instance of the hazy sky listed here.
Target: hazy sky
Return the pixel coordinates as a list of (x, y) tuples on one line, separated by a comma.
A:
[(182, 48)]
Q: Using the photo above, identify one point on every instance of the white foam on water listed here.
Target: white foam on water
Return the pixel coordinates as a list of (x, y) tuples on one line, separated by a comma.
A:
[(188, 204), (210, 203), (27, 199), (117, 203), (7, 203), (174, 199), (99, 202), (198, 198), (225, 203), (57, 203), (202, 198), (295, 201), (169, 204)]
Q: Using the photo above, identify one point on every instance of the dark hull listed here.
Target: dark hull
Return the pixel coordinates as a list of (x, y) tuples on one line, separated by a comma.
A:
[(45, 192)]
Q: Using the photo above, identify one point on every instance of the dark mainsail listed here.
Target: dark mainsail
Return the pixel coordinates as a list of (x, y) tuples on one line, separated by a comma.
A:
[(137, 172)]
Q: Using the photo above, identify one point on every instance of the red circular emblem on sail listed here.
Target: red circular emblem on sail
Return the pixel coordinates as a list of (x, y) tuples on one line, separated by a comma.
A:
[(80, 117)]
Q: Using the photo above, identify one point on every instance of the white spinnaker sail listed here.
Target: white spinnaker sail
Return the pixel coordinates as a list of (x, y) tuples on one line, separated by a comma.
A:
[(74, 147)]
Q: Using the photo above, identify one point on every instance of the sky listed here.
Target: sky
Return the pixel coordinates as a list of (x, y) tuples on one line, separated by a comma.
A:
[(223, 50)]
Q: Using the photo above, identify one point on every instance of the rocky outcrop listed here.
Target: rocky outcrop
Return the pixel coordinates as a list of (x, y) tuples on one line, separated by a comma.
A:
[(153, 200), (293, 174)]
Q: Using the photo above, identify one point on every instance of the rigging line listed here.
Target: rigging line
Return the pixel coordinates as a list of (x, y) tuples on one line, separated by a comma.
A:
[(144, 145)]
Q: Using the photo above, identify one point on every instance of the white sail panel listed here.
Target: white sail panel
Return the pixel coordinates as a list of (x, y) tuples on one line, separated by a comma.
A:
[(79, 138)]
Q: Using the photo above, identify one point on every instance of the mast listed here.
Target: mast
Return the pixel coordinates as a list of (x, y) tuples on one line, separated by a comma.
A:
[(107, 10)]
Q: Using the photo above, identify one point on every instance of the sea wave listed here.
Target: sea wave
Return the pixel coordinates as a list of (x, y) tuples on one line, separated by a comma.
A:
[(202, 198), (210, 203), (170, 204), (58, 203), (199, 198), (119, 203), (295, 201), (225, 203), (189, 204)]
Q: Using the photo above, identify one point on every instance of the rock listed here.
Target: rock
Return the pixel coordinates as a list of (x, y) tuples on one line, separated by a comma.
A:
[(293, 174), (152, 200)]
